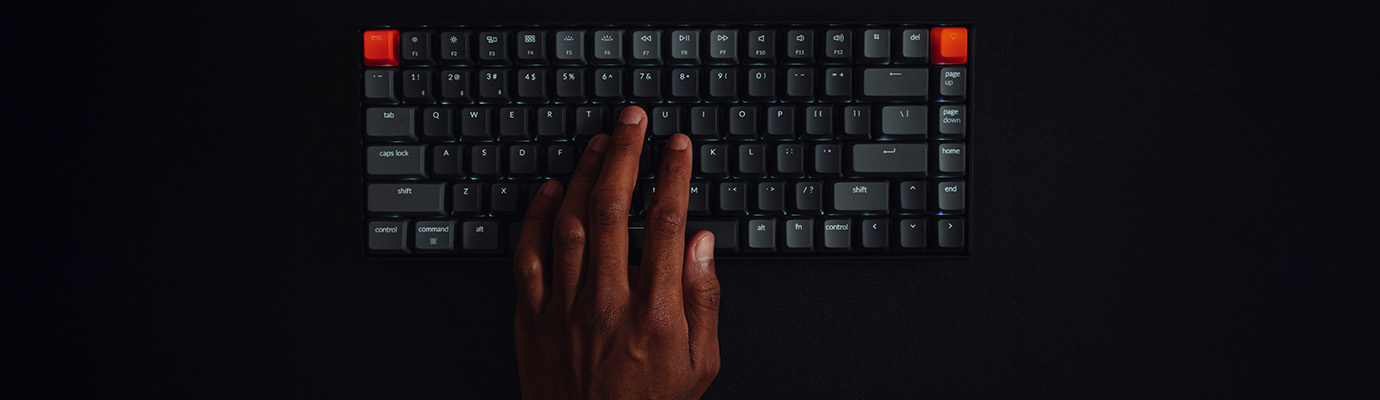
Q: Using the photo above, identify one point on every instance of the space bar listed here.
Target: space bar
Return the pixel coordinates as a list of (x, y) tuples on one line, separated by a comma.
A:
[(725, 233)]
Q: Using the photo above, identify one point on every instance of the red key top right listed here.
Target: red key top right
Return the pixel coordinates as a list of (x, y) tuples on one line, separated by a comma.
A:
[(381, 48)]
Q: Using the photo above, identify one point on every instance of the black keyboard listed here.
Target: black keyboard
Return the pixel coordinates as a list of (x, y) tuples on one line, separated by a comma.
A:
[(846, 140)]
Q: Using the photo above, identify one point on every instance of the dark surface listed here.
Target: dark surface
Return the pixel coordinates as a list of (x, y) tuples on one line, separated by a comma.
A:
[(1173, 201)]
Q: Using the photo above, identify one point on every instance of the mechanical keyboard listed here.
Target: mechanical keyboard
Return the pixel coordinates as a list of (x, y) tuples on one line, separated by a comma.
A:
[(818, 140)]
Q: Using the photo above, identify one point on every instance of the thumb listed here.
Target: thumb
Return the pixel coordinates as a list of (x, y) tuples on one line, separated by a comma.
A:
[(700, 285)]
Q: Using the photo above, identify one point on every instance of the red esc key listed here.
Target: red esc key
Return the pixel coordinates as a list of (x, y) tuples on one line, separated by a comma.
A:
[(949, 45), (381, 48)]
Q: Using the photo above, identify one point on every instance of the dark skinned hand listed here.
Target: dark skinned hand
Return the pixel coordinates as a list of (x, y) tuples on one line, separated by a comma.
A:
[(590, 326)]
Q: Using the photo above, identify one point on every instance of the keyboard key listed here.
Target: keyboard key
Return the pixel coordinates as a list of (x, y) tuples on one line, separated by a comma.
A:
[(895, 82), (505, 198), (953, 82), (723, 83), (742, 123), (646, 84), (387, 236), (664, 122), (468, 198), (474, 124), (435, 236), (390, 123), (381, 48), (819, 122), (951, 120), (857, 122), (876, 46), (890, 159), (570, 84), (646, 47), (725, 232), (531, 85), (951, 196), (446, 161), (551, 123), (608, 84), (949, 45), (761, 83), (570, 47), (800, 235), (416, 86), (751, 160), (838, 82), (685, 84), (699, 198), (712, 160), (838, 45), (868, 196), (912, 195), (410, 198), (904, 120), (436, 123), (912, 233), (790, 160), (761, 235), (395, 161), (771, 197), (378, 86), (560, 159), (704, 123), (733, 197), (951, 158), (828, 160), (800, 45), (512, 124), (589, 121), (808, 197), (531, 47), (480, 235), (608, 47), (493, 48), (838, 234), (950, 233), (416, 47), (875, 233), (915, 45), (493, 86), (522, 160), (761, 46), (484, 161), (455, 47), (685, 47), (455, 85), (800, 83), (723, 46), (780, 123)]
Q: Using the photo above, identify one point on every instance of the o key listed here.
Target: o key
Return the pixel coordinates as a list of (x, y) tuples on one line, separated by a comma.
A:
[(949, 45), (381, 48)]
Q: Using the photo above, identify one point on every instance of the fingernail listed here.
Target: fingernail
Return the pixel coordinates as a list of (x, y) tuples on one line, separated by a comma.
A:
[(549, 189), (597, 143), (680, 142), (704, 251), (629, 117)]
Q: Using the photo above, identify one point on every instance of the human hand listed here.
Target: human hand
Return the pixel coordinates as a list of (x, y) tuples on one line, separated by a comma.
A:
[(587, 324)]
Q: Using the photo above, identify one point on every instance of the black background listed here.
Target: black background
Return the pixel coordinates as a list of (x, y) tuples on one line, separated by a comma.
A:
[(1176, 199)]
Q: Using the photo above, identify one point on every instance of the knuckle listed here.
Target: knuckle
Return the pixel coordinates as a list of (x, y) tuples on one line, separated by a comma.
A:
[(605, 317), (607, 211), (708, 294), (624, 146), (569, 234), (667, 220)]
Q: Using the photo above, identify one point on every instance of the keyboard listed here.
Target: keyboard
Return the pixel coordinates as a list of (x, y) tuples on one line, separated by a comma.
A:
[(814, 140)]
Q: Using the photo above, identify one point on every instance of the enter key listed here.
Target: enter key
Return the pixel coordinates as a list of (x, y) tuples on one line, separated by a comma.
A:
[(889, 159)]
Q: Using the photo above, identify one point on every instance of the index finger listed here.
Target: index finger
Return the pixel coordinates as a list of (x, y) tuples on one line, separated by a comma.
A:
[(609, 204)]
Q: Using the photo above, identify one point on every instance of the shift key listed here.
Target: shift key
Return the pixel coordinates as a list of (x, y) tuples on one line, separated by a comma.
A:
[(895, 82), (406, 199)]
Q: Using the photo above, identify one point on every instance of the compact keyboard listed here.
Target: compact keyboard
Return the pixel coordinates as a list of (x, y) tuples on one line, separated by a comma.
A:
[(842, 140)]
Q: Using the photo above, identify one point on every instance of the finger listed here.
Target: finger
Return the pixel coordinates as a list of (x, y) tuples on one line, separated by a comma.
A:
[(701, 286), (530, 257), (568, 235), (663, 253), (608, 207)]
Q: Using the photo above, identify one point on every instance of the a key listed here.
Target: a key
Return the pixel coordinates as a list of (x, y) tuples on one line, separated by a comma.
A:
[(950, 232), (838, 82), (531, 85), (480, 236), (912, 195), (876, 46), (771, 197), (685, 47), (951, 120), (790, 160), (378, 86), (733, 197), (800, 83), (646, 84), (889, 158), (838, 45), (780, 123), (911, 233), (522, 160), (819, 122), (761, 46), (436, 123), (455, 47), (953, 82), (704, 123), (560, 159), (512, 124), (828, 160), (857, 122), (395, 161), (390, 123), (698, 202), (902, 83), (725, 232), (951, 158), (408, 198), (416, 47), (505, 197), (493, 86), (570, 47), (723, 83), (664, 122), (608, 47), (474, 124), (751, 160), (493, 48), (468, 198), (445, 161), (742, 122), (712, 160), (551, 123), (648, 161), (761, 83), (531, 47), (951, 196), (387, 236), (646, 47), (906, 121), (915, 45), (570, 84), (485, 160), (838, 234), (723, 46), (870, 196), (455, 85), (800, 46), (589, 121), (435, 236), (685, 84), (761, 235), (800, 235), (416, 86), (808, 197), (608, 84), (875, 233)]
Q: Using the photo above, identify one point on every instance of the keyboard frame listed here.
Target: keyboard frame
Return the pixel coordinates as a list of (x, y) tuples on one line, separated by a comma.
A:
[(635, 256)]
